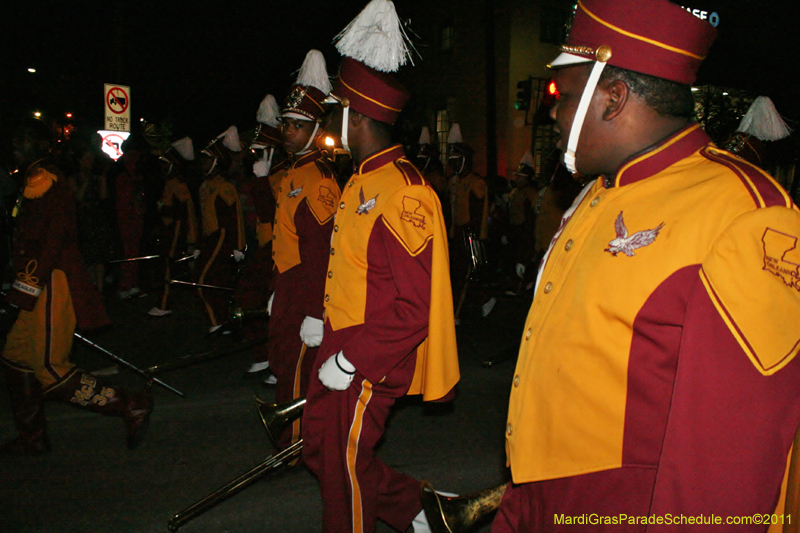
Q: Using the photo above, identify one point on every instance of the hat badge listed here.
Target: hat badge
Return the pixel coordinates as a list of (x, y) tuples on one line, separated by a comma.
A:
[(296, 97)]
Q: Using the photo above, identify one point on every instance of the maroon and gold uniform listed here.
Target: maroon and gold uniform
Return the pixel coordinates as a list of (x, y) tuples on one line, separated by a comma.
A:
[(54, 294), (51, 285), (223, 232), (685, 401), (306, 195), (179, 229), (388, 309)]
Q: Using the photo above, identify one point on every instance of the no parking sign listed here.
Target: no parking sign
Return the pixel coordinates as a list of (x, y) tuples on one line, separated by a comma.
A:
[(118, 107), (112, 142)]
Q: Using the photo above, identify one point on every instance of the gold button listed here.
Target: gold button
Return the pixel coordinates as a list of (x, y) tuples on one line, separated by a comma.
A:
[(568, 246), (509, 429), (548, 287), (336, 228), (516, 381), (350, 184), (277, 205), (273, 254), (330, 273), (274, 237), (327, 297), (528, 334), (341, 205), (595, 201), (333, 251)]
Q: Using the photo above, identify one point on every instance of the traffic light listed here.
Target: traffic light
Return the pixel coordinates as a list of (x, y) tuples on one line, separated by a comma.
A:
[(550, 94), (523, 94)]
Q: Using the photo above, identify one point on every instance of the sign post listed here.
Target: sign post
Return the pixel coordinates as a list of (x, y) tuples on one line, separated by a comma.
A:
[(118, 107)]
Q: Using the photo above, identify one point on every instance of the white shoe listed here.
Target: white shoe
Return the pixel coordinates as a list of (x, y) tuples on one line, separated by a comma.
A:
[(130, 293), (271, 380), (257, 367), (488, 306), (212, 329), (158, 313)]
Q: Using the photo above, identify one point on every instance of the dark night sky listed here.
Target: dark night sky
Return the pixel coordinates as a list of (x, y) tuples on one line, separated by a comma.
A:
[(206, 65)]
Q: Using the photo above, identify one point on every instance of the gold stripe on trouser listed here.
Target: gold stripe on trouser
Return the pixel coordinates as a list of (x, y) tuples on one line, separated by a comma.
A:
[(205, 271), (42, 339), (352, 453), (296, 391)]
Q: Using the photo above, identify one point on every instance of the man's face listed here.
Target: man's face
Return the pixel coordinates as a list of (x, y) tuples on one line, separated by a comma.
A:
[(296, 133), (570, 82)]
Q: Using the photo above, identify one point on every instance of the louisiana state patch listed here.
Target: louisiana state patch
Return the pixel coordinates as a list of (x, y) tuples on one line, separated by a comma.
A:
[(410, 217), (753, 277)]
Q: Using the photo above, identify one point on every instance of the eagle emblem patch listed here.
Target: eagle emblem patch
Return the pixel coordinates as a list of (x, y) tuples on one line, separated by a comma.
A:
[(366, 205), (294, 192), (410, 207), (625, 244), (781, 256)]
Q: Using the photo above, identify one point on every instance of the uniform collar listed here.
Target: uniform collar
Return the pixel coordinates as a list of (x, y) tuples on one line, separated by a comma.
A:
[(302, 160), (378, 159), (661, 155)]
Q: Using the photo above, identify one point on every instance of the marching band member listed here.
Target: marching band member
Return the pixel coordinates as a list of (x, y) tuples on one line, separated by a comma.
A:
[(657, 373), (306, 197), (254, 287), (178, 216), (388, 308), (223, 227), (51, 295)]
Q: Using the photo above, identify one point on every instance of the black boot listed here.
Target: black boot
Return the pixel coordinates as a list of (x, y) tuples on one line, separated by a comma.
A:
[(27, 407), (90, 392)]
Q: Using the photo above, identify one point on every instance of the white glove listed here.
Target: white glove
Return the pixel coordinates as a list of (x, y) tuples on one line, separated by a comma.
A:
[(261, 167), (269, 304), (238, 255), (311, 331), (336, 373), (196, 253), (520, 271)]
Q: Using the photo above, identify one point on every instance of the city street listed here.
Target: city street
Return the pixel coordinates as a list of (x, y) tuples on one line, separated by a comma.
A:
[(90, 482)]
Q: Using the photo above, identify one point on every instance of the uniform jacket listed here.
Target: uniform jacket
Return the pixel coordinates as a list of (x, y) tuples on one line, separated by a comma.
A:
[(306, 195), (46, 239), (663, 333), (222, 211), (469, 200), (178, 207), (387, 295)]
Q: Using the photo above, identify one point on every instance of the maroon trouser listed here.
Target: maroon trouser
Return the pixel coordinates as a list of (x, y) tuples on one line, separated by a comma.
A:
[(340, 432), (545, 506), (290, 360)]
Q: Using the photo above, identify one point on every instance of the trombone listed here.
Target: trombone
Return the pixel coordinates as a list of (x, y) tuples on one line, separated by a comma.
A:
[(275, 417)]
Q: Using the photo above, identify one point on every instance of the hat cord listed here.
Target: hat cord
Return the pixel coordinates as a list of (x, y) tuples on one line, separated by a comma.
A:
[(580, 115)]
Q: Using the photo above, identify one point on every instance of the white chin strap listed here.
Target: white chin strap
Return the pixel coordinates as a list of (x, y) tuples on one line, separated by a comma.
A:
[(345, 121), (580, 115), (311, 139)]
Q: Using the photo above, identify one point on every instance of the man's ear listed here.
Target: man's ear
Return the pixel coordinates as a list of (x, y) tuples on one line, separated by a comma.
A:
[(355, 118), (617, 93)]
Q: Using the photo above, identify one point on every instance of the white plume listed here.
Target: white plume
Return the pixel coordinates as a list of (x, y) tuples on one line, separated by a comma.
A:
[(268, 112), (763, 121), (376, 38), (314, 72), (454, 135), (185, 148), (230, 139), (425, 136)]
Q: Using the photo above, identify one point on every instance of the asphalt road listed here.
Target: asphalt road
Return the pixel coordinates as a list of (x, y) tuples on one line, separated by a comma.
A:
[(90, 482)]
